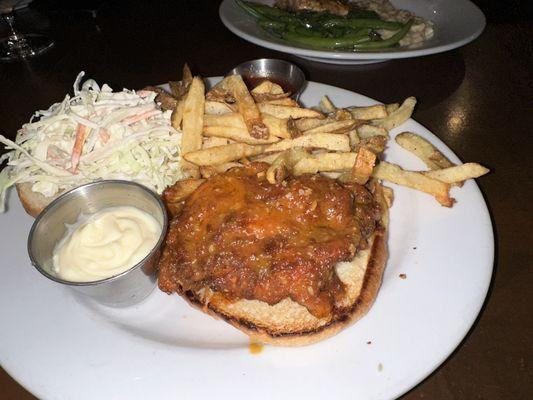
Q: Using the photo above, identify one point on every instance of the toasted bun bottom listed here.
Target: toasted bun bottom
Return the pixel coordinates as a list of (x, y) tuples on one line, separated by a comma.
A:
[(32, 202), (287, 323)]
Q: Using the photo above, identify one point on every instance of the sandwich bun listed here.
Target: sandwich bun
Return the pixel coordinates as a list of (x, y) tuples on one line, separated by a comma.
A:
[(288, 323), (33, 202)]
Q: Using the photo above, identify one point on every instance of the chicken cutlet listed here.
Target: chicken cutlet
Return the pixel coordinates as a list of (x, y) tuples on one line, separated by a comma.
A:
[(337, 7), (245, 238)]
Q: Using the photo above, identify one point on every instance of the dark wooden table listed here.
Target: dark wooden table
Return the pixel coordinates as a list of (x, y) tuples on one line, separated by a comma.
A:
[(477, 99)]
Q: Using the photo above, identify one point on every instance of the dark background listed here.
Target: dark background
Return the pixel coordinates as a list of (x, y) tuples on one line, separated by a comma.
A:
[(477, 99)]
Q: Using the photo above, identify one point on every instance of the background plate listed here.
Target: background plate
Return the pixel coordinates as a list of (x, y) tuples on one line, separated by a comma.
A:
[(62, 346), (456, 23)]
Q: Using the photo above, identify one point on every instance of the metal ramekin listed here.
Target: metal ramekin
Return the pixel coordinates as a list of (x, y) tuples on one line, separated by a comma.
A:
[(121, 290), (271, 68)]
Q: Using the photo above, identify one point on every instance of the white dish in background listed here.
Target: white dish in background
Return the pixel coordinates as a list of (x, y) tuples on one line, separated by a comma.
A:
[(59, 345), (456, 23)]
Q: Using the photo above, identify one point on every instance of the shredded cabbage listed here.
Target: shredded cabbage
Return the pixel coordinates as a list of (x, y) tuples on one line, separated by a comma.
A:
[(96, 134)]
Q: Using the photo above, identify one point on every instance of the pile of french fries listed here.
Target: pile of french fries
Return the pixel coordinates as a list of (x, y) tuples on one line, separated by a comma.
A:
[(230, 126)]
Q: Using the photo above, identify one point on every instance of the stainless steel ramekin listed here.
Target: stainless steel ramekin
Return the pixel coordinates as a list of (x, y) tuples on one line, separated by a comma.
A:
[(282, 71), (121, 290)]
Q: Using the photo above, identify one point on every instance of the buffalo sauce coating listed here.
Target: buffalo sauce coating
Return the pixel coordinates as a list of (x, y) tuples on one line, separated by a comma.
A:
[(248, 239)]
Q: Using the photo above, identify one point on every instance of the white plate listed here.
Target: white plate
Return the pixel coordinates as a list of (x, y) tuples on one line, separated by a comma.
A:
[(61, 346), (456, 23)]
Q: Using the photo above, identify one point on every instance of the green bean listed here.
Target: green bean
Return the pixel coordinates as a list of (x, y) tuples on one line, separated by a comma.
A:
[(324, 30), (312, 19), (248, 8), (381, 44), (273, 27), (346, 41), (264, 11), (307, 32), (362, 23), (361, 13)]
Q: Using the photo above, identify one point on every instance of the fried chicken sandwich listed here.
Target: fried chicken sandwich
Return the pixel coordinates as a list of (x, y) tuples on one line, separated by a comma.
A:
[(288, 263)]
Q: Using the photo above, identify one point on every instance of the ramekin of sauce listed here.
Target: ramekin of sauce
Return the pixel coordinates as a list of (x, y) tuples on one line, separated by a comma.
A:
[(102, 239), (284, 73)]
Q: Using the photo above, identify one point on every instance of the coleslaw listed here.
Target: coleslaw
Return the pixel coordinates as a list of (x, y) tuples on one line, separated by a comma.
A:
[(96, 134)]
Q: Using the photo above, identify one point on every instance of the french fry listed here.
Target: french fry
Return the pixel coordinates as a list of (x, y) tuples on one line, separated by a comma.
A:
[(214, 141), (232, 126), (264, 87), (181, 190), (223, 154), (326, 106), (193, 117), (276, 126), (217, 108), (277, 172), (281, 98), (397, 117), (374, 143), (325, 162), (304, 124), (232, 119), (388, 195), (354, 138), (342, 114), (186, 74), (246, 106), (293, 128), (192, 121), (329, 141), (220, 94), (180, 88), (240, 135), (285, 161), (424, 150), (175, 195), (345, 176), (209, 171), (415, 180), (365, 131), (333, 127), (267, 87), (177, 115), (282, 102), (458, 173), (267, 158), (363, 166), (391, 107), (288, 111), (370, 112)]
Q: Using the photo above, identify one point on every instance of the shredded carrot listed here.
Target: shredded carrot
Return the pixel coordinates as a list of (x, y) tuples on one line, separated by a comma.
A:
[(81, 135), (140, 117), (104, 135), (51, 154)]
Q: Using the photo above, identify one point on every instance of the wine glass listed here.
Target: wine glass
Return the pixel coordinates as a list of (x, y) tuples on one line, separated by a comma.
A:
[(18, 46)]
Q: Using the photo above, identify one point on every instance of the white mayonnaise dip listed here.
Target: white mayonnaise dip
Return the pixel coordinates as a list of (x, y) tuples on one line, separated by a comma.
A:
[(105, 244)]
